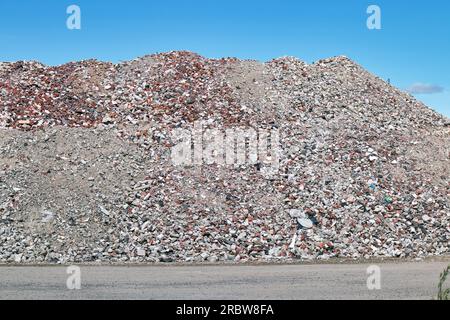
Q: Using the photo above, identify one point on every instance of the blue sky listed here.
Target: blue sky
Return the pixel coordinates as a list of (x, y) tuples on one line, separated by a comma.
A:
[(412, 48)]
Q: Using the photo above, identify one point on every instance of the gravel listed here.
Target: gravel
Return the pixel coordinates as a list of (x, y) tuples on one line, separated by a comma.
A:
[(86, 172)]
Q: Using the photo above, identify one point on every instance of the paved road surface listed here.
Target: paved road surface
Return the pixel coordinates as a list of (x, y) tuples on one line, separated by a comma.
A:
[(334, 281)]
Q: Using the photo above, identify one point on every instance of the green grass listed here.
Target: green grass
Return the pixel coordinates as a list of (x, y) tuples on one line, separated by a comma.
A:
[(443, 294)]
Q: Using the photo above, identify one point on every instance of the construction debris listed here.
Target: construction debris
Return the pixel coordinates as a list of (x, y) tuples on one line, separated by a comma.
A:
[(86, 171)]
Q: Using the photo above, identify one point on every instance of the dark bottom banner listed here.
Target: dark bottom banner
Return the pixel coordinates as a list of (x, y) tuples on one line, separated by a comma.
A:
[(226, 309)]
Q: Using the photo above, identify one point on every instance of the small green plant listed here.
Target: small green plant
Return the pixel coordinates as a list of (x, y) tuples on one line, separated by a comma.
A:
[(443, 294)]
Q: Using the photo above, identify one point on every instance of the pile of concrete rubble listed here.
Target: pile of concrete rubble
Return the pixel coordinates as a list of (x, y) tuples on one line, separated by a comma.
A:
[(86, 173)]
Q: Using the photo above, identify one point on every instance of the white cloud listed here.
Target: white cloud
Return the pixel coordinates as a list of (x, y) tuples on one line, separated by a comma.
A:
[(424, 88)]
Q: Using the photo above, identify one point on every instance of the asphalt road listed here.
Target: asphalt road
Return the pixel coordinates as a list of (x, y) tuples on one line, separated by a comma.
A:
[(334, 281)]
